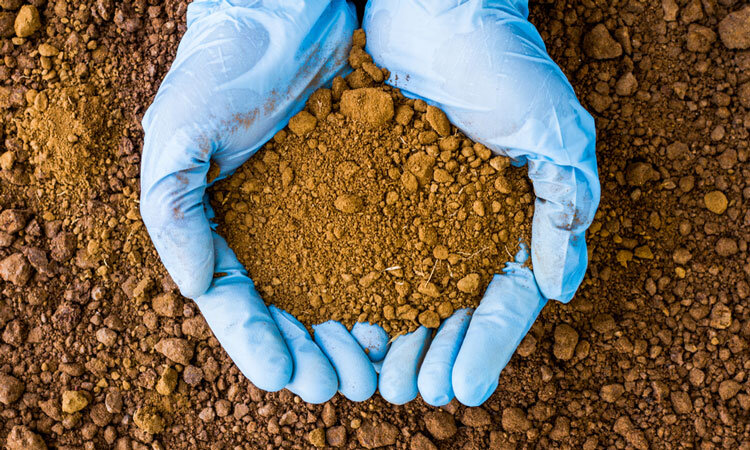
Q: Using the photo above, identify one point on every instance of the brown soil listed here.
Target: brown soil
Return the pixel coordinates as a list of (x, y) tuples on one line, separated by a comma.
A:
[(355, 215), (652, 352)]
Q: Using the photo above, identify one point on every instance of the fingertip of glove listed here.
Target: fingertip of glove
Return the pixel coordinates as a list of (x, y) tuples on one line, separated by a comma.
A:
[(276, 373), (471, 391), (372, 338), (433, 391), (362, 390), (397, 395), (194, 287), (316, 389)]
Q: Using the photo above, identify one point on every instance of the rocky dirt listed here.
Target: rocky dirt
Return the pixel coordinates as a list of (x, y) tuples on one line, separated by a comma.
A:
[(370, 207), (98, 350)]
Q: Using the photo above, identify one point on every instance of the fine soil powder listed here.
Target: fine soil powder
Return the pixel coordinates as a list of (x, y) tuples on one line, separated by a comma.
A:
[(371, 207)]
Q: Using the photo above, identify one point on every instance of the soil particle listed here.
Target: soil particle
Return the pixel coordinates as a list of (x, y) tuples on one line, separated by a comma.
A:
[(63, 246), (369, 106), (699, 38), (11, 389), (167, 381), (328, 415), (22, 438), (376, 435), (566, 339), (421, 442), (302, 123), (196, 327), (716, 202), (476, 417), (319, 103), (440, 424), (639, 173), (74, 401), (514, 420), (438, 121), (148, 419), (13, 220), (167, 305), (421, 165), (626, 85), (599, 43), (429, 319), (176, 349), (15, 269), (635, 437), (192, 375), (106, 336), (7, 19), (113, 401), (681, 402), (728, 389), (14, 333), (611, 392), (721, 316), (671, 9), (66, 317), (726, 247), (27, 21), (348, 204), (734, 29), (336, 436), (100, 416), (469, 284), (317, 437)]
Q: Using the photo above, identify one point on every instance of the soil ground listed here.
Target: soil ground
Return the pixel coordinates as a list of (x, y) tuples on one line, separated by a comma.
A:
[(653, 352)]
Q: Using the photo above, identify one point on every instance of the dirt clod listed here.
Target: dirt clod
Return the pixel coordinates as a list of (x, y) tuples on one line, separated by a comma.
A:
[(734, 29), (27, 21), (177, 350), (440, 424), (74, 401), (566, 339), (599, 43), (11, 389), (22, 438)]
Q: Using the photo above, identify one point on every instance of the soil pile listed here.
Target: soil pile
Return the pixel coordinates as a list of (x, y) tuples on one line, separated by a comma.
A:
[(370, 207)]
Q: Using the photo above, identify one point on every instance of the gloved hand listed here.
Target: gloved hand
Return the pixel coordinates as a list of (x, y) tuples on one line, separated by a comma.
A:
[(242, 70), (486, 67)]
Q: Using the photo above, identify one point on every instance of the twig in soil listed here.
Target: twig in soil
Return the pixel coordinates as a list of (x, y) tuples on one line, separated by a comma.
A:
[(388, 269), (464, 254), (433, 271)]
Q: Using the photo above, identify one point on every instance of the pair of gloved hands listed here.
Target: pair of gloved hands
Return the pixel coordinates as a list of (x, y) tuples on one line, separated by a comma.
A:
[(244, 67)]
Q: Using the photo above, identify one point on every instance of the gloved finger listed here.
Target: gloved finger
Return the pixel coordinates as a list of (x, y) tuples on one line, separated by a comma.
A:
[(496, 82), (172, 210), (435, 375), (314, 379), (241, 322), (398, 376), (510, 306), (357, 378), (372, 338)]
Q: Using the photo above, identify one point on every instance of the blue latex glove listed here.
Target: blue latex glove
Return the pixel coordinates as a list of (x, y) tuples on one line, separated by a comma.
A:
[(486, 66), (242, 70)]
